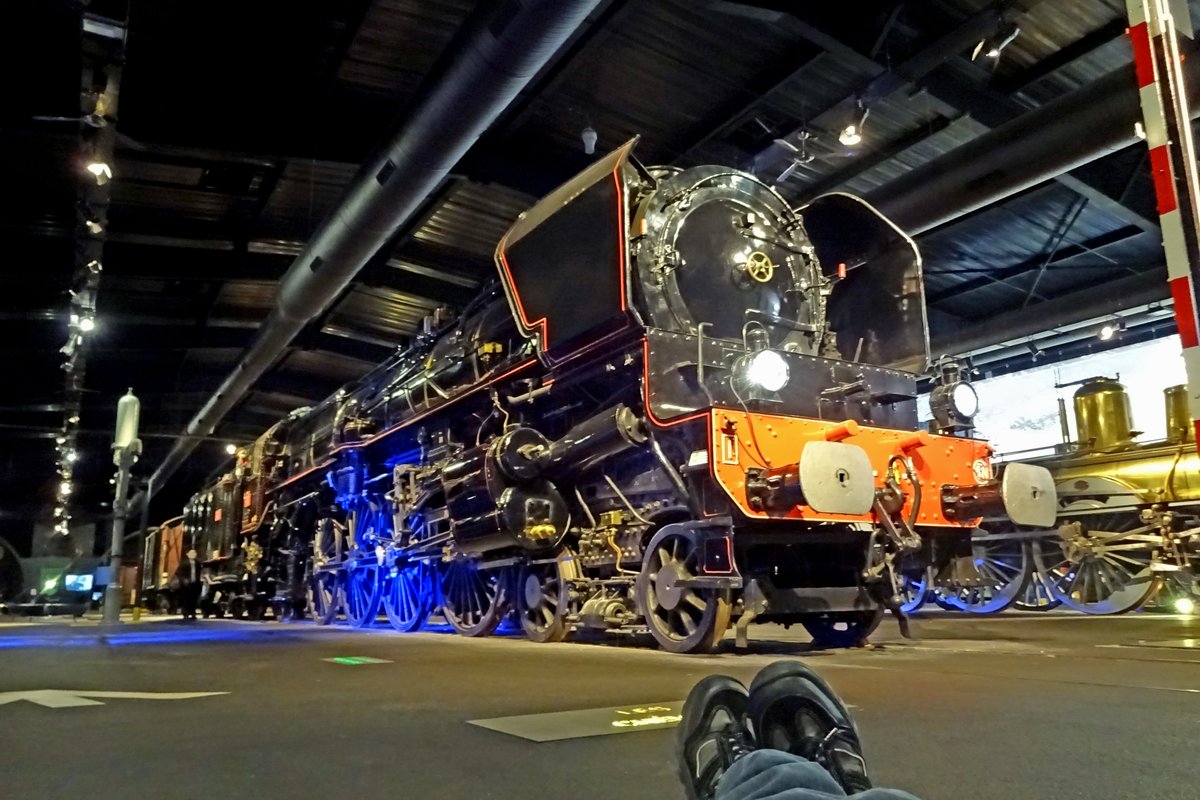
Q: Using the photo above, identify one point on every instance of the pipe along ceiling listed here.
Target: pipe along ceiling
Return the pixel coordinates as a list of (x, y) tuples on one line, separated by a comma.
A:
[(499, 52)]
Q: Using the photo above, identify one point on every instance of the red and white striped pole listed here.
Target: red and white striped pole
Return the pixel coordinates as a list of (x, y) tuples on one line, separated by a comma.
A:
[(1167, 123)]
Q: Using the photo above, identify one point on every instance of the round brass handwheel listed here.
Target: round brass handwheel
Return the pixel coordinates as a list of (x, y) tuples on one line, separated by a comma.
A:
[(759, 266)]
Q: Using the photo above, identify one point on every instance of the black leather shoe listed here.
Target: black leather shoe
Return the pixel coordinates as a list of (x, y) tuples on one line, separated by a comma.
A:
[(791, 708), (712, 734)]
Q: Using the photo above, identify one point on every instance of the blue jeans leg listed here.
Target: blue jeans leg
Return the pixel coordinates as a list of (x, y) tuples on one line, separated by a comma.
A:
[(775, 775)]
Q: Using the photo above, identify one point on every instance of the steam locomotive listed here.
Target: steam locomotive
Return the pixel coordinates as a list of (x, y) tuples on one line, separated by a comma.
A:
[(684, 405), (1129, 518)]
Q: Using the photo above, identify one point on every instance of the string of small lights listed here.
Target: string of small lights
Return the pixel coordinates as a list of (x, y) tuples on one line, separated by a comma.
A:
[(103, 41)]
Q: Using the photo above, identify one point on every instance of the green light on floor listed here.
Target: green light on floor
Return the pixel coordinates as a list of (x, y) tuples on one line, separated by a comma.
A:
[(355, 661), (346, 660)]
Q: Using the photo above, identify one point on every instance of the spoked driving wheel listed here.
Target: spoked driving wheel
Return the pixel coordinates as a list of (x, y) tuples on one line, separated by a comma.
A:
[(472, 598), (408, 595), (1003, 566), (1100, 565), (1037, 595), (681, 618), (840, 629), (362, 591), (323, 596), (543, 597)]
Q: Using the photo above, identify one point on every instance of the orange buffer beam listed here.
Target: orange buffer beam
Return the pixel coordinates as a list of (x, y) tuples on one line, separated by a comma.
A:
[(739, 441)]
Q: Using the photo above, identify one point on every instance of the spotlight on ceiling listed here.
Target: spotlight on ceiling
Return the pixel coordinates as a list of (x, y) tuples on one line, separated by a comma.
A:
[(231, 448), (64, 488), (992, 46), (1034, 351), (87, 324), (589, 137), (101, 171), (1110, 329), (94, 227), (852, 134)]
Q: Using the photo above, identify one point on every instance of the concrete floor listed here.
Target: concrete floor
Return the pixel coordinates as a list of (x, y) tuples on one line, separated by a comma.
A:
[(1050, 706)]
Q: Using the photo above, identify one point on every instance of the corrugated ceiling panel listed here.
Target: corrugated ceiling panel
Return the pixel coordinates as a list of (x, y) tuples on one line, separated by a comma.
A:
[(474, 217), (209, 357), (305, 193), (959, 132), (138, 169), (399, 41), (889, 120), (388, 315), (1080, 72), (193, 203), (244, 299), (1023, 231), (1051, 26), (334, 366), (661, 73)]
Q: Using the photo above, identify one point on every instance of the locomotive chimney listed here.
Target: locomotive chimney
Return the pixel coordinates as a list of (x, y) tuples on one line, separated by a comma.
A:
[(1102, 415), (1179, 419)]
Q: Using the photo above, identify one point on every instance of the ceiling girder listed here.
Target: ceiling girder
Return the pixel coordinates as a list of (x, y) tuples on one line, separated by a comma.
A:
[(928, 68)]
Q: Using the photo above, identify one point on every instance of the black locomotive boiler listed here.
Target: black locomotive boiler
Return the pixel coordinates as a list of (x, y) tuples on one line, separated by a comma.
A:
[(684, 405)]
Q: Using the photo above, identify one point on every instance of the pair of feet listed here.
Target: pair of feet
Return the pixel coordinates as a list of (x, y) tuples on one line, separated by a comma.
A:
[(788, 707)]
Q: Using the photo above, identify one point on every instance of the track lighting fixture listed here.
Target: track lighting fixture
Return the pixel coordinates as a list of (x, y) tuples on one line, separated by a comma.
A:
[(101, 171), (1110, 329), (852, 134), (992, 46)]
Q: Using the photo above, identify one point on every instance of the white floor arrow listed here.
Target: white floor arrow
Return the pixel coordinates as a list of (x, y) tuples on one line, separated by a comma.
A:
[(71, 698)]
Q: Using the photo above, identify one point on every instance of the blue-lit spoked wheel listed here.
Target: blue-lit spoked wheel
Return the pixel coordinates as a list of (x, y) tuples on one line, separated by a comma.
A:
[(681, 618), (323, 597), (1105, 566), (362, 591), (472, 599), (408, 595), (914, 591), (841, 629), (543, 597), (1037, 595), (1003, 565)]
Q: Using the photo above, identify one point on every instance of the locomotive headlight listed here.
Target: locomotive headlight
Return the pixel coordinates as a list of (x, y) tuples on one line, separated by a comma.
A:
[(767, 370), (953, 401), (964, 400)]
